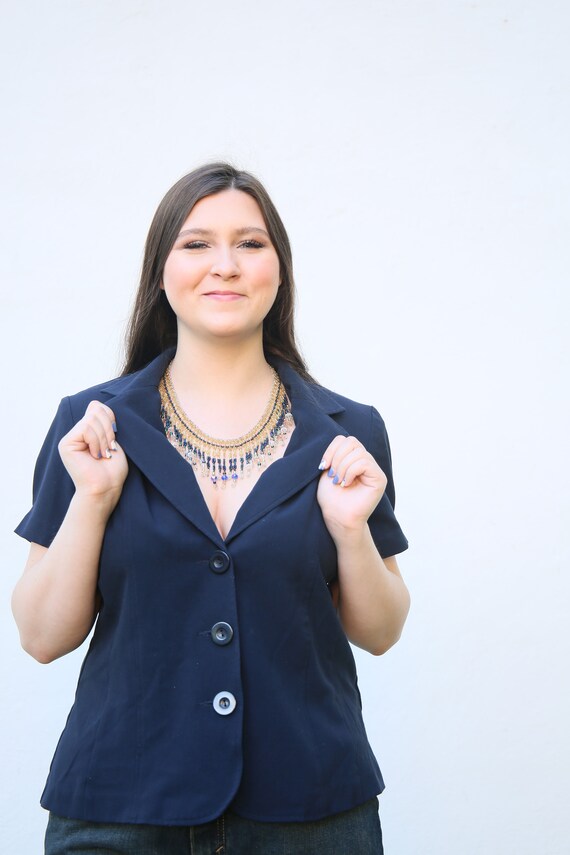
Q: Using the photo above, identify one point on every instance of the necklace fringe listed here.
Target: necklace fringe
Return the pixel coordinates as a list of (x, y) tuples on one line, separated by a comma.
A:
[(226, 460)]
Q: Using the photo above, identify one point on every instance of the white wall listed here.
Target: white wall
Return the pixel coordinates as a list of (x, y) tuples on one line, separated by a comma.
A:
[(418, 153)]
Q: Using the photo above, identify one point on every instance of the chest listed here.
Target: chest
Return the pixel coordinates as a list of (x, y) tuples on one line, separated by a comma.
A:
[(223, 500), (157, 556)]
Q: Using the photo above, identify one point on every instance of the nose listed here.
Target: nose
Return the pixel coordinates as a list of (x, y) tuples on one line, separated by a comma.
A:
[(225, 264)]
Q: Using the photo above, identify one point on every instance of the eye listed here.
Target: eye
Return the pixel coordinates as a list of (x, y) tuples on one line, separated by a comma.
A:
[(195, 244), (252, 244)]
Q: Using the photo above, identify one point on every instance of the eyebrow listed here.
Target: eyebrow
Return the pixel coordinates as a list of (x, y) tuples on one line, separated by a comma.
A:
[(208, 233)]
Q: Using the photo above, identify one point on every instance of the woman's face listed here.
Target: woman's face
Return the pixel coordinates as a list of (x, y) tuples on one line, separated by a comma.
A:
[(222, 274)]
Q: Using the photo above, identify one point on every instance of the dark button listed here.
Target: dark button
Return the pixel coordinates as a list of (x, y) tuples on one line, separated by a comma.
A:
[(222, 633), (224, 703), (219, 562)]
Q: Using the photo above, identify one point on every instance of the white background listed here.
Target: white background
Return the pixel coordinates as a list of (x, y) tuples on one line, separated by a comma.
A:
[(417, 151)]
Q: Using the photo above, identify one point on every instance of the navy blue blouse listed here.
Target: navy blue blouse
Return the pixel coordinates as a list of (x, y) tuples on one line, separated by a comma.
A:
[(218, 673)]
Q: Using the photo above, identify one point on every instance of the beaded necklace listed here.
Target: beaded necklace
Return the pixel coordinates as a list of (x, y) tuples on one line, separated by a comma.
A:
[(226, 460)]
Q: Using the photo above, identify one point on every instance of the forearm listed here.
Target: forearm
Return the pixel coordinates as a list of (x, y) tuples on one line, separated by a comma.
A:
[(374, 601), (55, 601)]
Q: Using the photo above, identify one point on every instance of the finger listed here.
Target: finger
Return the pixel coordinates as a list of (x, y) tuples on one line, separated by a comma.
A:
[(355, 469), (330, 452), (347, 461), (105, 414), (95, 437), (84, 435), (96, 434), (105, 419), (367, 470), (348, 446)]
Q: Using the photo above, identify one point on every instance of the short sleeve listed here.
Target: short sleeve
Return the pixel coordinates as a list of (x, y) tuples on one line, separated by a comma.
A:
[(52, 486), (384, 527)]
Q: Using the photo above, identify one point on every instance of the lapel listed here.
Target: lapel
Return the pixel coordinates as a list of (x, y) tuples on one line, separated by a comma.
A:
[(136, 404)]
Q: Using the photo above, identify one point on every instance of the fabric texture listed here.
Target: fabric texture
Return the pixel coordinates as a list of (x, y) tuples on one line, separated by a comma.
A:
[(146, 740)]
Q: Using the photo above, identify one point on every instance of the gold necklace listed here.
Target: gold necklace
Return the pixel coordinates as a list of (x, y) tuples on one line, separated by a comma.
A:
[(226, 460)]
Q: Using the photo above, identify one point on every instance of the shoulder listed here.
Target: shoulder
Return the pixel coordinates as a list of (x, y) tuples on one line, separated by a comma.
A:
[(355, 409), (147, 377), (360, 420), (317, 395), (354, 416), (103, 392), (365, 423)]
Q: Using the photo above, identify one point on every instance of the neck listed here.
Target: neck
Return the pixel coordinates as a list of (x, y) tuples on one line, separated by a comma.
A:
[(209, 370)]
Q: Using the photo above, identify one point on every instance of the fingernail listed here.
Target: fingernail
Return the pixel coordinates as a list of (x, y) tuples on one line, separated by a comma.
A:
[(99, 455), (114, 446), (108, 453), (343, 483), (335, 479), (330, 473), (114, 426), (323, 464)]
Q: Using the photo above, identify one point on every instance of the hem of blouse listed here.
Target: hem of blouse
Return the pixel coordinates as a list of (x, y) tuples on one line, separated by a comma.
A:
[(202, 820), (308, 817)]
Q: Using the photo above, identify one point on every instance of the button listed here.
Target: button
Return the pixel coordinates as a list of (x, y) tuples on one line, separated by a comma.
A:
[(224, 703), (222, 633), (219, 562)]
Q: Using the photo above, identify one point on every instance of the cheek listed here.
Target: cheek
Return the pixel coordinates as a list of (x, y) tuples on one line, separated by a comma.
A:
[(267, 273), (178, 273)]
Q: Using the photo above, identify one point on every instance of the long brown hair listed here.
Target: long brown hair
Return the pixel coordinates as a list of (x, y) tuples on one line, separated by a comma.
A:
[(152, 326)]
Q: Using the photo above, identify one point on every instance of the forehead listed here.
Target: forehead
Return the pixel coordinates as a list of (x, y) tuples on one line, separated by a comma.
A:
[(228, 209)]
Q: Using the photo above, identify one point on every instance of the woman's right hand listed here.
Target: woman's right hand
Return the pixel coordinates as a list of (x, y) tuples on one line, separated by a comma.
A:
[(92, 457)]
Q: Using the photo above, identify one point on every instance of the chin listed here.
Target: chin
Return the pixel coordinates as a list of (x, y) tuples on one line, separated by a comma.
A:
[(233, 331)]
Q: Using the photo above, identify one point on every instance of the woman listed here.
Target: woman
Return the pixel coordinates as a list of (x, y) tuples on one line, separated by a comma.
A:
[(217, 709)]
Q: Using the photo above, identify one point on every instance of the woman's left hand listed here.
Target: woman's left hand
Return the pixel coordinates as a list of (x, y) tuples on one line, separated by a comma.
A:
[(350, 487)]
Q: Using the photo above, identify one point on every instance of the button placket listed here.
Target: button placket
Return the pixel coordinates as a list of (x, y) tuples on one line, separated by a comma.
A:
[(222, 633)]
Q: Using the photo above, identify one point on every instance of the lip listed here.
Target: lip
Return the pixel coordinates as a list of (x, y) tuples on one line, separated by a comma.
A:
[(223, 295)]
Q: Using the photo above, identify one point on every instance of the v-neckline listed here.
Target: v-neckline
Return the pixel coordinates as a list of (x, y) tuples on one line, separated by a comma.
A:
[(135, 400), (198, 476), (263, 475)]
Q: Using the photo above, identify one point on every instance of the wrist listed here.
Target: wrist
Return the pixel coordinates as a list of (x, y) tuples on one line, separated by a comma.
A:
[(99, 505), (349, 535)]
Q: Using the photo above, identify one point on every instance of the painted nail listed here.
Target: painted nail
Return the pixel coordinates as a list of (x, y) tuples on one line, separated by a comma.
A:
[(99, 455), (114, 426), (343, 483), (330, 473), (323, 464), (114, 446), (108, 453), (335, 479)]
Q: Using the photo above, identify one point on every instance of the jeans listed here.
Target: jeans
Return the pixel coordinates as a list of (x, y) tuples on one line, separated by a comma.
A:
[(353, 832)]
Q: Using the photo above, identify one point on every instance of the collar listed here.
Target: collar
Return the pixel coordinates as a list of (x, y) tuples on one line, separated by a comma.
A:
[(136, 404), (297, 387)]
